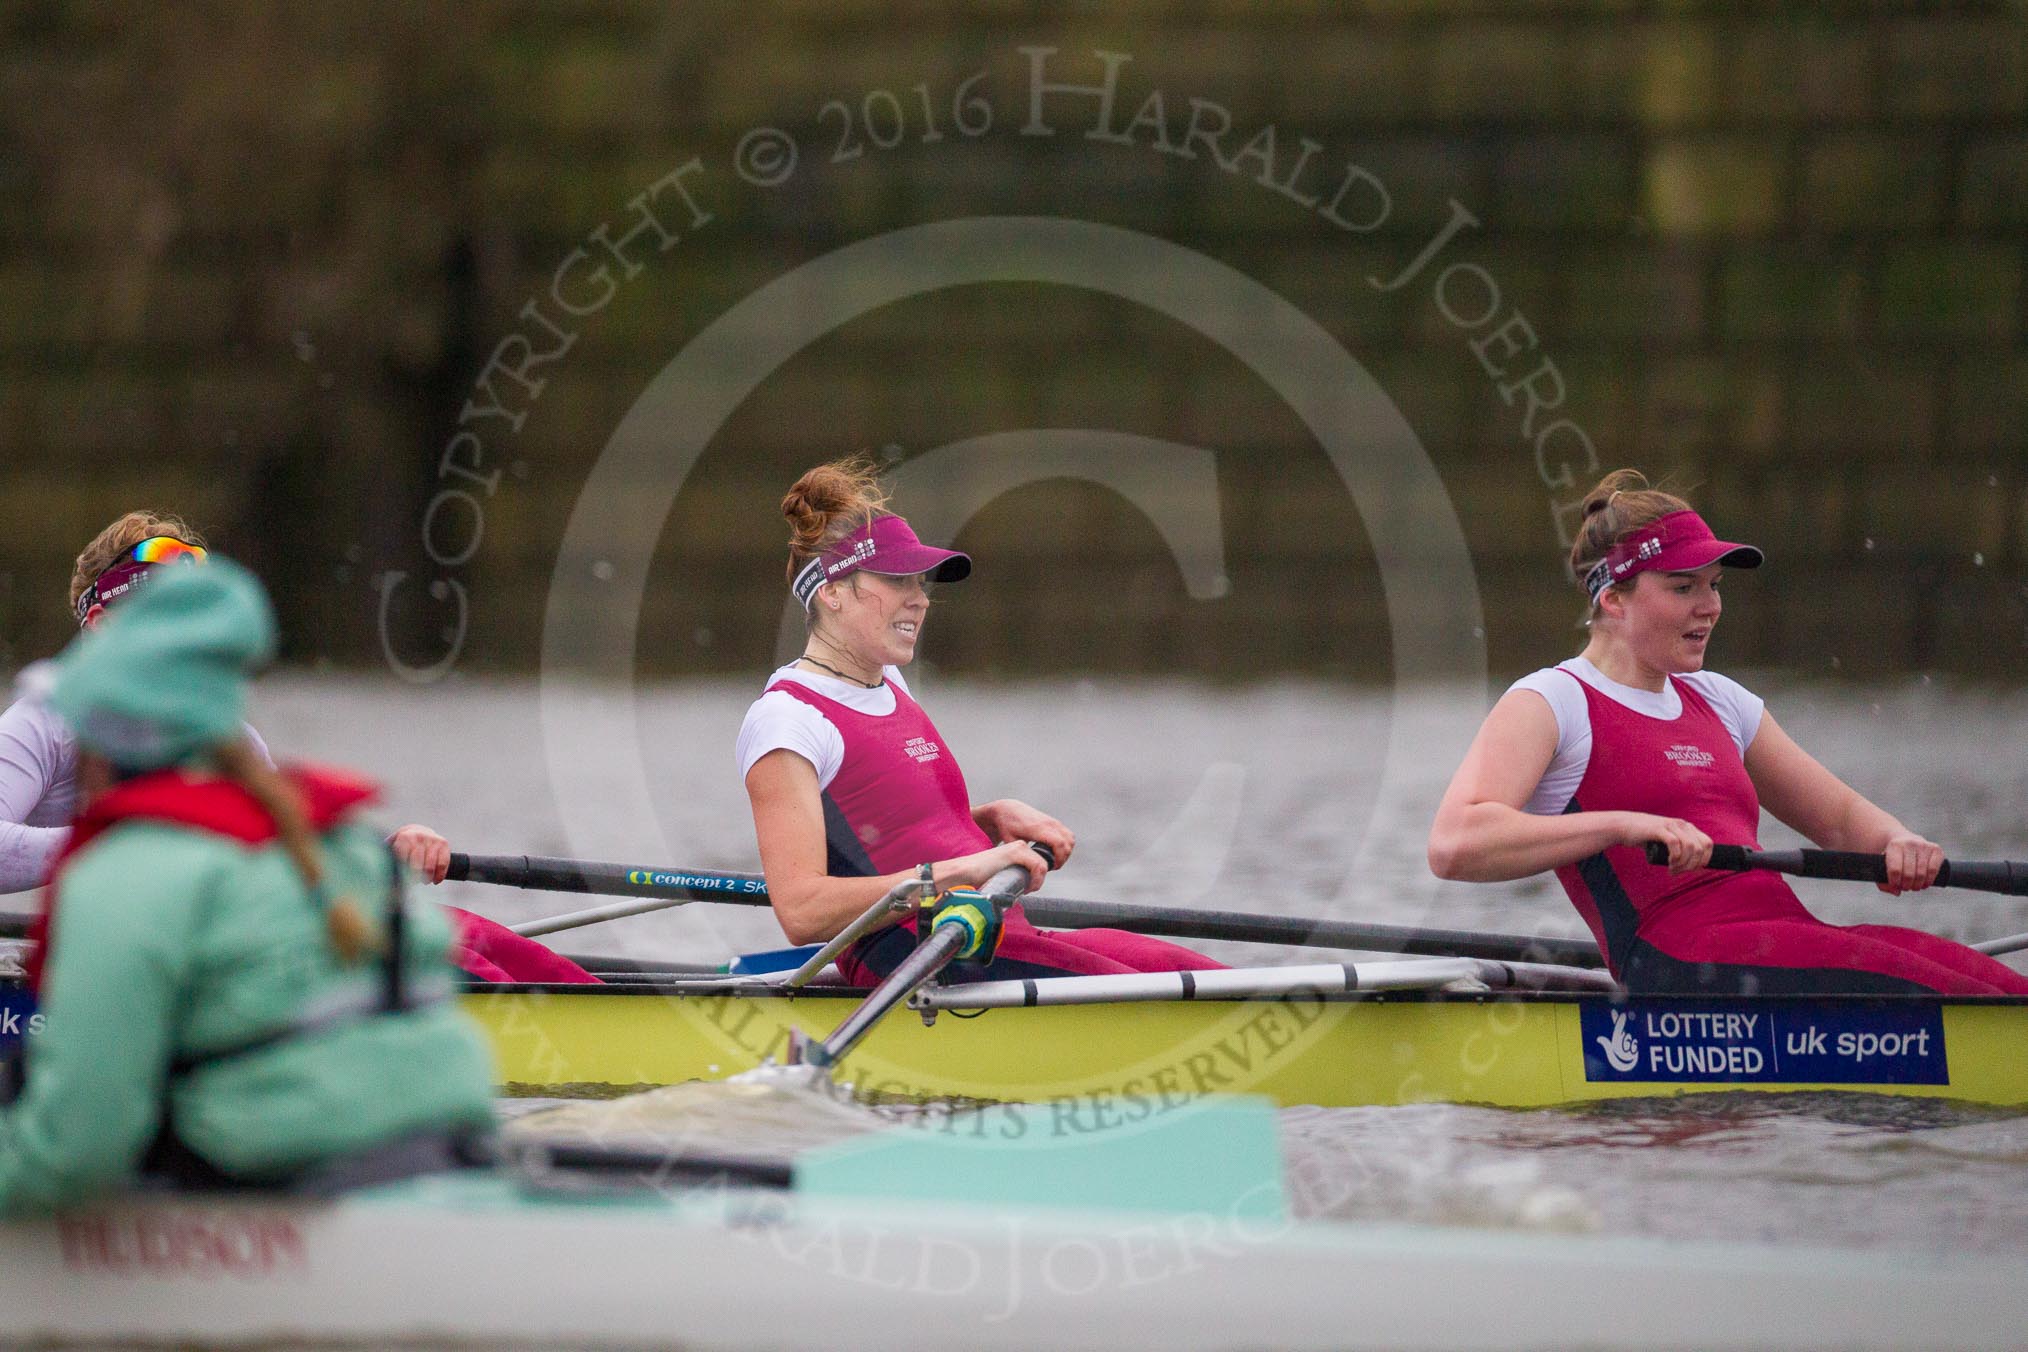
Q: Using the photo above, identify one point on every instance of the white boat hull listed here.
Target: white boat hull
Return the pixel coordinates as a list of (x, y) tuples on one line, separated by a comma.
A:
[(748, 1270)]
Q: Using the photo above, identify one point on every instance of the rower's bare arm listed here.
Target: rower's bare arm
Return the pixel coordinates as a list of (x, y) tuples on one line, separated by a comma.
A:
[(812, 906), (788, 824), (1799, 791), (1481, 834)]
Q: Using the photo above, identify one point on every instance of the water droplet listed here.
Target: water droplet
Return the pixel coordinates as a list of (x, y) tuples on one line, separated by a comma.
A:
[(603, 571), (1978, 560), (1869, 543)]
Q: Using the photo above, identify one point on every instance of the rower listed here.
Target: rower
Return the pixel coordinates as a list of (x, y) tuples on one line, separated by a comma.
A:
[(236, 990), (1582, 764), (855, 792), (38, 756)]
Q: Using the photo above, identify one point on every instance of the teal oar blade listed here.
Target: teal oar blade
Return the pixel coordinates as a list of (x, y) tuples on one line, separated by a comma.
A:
[(1216, 1156)]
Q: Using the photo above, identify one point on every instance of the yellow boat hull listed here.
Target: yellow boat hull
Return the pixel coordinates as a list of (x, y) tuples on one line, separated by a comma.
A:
[(1119, 1062)]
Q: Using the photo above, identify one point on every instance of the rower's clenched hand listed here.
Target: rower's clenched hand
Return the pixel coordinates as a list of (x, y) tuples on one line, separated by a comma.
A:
[(1011, 819), (1912, 862), (975, 870), (423, 850), (1689, 848)]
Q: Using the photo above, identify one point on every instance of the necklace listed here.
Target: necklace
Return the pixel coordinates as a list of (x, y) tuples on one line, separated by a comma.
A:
[(864, 685)]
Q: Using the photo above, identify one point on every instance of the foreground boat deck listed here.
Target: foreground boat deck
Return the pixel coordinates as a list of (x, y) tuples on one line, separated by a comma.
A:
[(443, 1261), (1123, 1061)]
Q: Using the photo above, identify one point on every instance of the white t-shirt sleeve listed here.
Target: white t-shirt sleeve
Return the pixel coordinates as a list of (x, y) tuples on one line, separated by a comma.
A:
[(1738, 708), (780, 722), (31, 758), (1566, 699), (31, 762)]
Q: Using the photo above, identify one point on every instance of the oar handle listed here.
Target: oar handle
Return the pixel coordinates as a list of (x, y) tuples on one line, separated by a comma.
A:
[(936, 952), (1011, 882), (2005, 876)]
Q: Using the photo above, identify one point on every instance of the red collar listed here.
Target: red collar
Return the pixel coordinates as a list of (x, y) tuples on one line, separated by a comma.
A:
[(202, 803)]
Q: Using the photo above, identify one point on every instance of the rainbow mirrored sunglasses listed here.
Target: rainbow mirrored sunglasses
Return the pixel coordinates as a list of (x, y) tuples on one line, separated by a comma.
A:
[(130, 569)]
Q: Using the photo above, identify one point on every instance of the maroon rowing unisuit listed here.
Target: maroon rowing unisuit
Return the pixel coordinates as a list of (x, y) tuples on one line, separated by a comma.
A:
[(1712, 931), (899, 800)]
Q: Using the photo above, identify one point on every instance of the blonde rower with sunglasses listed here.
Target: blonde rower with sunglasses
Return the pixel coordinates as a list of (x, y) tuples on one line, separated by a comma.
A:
[(38, 757), (38, 754)]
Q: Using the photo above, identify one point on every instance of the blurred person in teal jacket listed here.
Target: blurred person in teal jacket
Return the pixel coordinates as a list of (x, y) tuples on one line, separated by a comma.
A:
[(236, 991)]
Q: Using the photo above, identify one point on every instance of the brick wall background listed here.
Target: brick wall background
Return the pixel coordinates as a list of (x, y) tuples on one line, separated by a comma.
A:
[(253, 260)]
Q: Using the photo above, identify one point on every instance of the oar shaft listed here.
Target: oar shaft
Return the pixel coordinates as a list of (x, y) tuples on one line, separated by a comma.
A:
[(901, 896), (2006, 876), (933, 955), (675, 886), (619, 910), (1244, 983), (611, 880), (1179, 923), (917, 968)]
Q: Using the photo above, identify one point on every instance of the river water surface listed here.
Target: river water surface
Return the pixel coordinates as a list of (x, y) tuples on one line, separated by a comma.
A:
[(1301, 799)]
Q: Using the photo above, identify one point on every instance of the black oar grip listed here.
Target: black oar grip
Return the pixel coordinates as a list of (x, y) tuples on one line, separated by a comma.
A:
[(1843, 866), (1731, 858)]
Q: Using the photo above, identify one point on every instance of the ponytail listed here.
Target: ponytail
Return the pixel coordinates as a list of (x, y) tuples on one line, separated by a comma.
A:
[(1617, 506), (829, 503), (352, 934)]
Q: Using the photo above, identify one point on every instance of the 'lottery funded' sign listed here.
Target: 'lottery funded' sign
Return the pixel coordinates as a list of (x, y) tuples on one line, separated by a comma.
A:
[(1743, 1040)]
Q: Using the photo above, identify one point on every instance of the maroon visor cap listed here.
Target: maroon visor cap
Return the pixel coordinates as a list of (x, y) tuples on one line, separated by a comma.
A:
[(1677, 543), (885, 545)]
